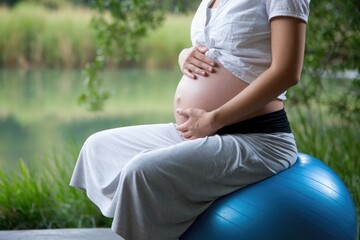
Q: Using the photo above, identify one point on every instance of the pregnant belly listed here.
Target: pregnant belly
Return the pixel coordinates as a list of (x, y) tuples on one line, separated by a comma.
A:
[(207, 93)]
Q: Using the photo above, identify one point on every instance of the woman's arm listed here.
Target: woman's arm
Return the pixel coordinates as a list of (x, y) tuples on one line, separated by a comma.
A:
[(288, 45)]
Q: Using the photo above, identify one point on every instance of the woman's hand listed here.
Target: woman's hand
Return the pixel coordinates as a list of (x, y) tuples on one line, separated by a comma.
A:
[(192, 62), (199, 123)]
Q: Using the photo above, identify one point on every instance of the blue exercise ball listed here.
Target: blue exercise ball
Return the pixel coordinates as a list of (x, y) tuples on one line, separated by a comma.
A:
[(307, 201)]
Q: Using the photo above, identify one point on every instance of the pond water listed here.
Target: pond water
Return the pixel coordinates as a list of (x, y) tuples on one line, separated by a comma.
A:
[(40, 116)]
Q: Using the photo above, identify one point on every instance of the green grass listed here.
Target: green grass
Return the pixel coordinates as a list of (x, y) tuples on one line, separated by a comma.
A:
[(33, 36), (334, 142), (35, 197), (162, 47)]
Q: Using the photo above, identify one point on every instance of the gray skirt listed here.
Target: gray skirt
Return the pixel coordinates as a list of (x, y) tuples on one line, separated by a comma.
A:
[(154, 183)]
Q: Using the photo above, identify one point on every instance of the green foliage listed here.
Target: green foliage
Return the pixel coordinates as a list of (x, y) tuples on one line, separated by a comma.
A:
[(179, 6), (167, 5), (332, 48), (63, 38), (119, 26), (348, 106), (332, 141), (15, 193), (333, 36), (32, 36), (35, 197), (163, 45), (49, 4)]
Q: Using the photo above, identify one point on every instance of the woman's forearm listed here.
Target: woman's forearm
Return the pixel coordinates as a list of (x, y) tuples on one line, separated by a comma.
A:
[(259, 93)]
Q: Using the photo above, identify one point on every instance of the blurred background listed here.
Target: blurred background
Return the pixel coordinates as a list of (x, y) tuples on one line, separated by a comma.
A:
[(46, 47)]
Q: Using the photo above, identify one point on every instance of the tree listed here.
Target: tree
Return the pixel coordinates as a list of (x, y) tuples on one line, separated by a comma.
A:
[(119, 25), (332, 47)]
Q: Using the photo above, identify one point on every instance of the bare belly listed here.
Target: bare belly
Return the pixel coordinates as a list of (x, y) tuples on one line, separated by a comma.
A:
[(211, 92)]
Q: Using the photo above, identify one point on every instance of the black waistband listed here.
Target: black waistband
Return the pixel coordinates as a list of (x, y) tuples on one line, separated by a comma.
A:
[(267, 123)]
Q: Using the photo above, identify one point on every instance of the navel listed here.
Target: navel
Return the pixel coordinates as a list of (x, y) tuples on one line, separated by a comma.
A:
[(178, 98)]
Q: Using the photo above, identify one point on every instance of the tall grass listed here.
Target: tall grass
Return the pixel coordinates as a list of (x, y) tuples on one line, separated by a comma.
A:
[(162, 47), (331, 140), (33, 36), (35, 197)]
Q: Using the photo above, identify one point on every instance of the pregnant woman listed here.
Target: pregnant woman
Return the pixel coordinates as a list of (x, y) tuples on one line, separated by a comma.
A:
[(230, 126)]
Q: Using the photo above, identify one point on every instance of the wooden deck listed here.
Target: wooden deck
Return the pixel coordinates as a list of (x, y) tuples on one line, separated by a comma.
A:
[(61, 234)]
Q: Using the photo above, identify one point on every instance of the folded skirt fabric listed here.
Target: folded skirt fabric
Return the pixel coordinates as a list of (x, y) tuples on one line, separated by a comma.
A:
[(154, 183)]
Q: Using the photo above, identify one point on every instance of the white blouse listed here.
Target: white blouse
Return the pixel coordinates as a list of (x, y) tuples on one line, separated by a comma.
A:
[(238, 32)]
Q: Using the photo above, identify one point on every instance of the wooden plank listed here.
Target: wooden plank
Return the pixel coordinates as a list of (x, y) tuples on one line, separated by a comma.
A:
[(61, 234)]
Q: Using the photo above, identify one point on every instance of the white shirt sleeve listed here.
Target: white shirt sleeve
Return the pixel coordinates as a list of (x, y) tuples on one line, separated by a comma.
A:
[(291, 8)]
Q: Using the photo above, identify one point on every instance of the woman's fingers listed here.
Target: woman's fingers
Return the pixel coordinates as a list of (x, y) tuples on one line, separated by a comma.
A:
[(202, 49), (187, 128), (193, 61), (194, 69), (183, 112), (203, 60), (188, 73), (185, 133), (200, 60), (197, 67), (184, 126)]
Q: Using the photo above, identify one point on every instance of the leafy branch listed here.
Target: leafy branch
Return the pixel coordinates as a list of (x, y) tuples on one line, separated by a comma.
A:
[(119, 26), (333, 46)]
